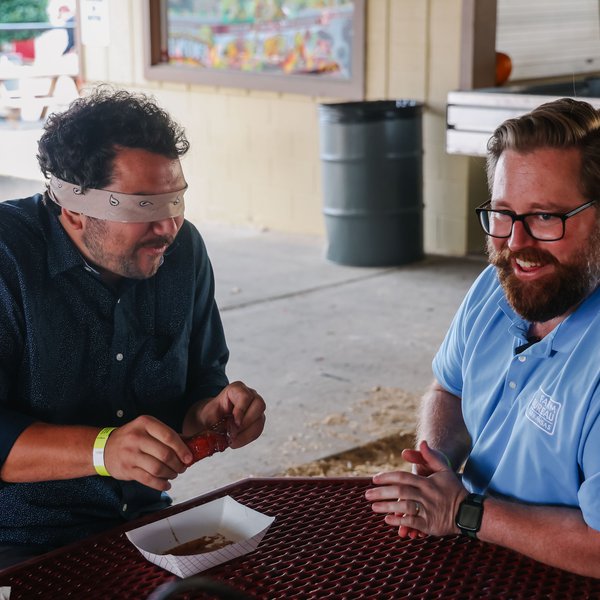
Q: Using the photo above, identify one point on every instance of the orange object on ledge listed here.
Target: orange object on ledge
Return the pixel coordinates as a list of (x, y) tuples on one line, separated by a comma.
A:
[(503, 67)]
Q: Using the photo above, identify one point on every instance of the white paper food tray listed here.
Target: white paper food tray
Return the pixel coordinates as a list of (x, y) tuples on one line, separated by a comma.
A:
[(244, 526)]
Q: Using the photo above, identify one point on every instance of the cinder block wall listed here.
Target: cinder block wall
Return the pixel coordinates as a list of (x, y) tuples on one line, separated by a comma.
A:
[(255, 155)]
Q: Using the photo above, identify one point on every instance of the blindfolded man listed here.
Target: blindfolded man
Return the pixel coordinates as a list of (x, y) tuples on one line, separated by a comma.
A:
[(111, 344)]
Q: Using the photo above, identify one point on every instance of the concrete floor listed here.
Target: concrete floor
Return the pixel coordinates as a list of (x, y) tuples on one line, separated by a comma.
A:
[(314, 338)]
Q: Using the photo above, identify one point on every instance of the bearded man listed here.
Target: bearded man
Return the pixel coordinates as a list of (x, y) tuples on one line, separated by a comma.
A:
[(516, 396)]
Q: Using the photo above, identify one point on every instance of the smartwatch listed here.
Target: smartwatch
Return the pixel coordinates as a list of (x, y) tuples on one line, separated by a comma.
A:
[(469, 516)]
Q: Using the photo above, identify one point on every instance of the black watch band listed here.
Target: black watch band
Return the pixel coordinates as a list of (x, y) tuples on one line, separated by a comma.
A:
[(470, 514)]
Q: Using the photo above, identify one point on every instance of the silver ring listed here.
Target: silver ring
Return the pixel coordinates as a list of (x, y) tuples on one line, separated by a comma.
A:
[(417, 508)]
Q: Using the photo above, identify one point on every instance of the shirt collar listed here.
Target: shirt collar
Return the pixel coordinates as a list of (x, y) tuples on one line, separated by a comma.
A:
[(564, 336), (62, 253)]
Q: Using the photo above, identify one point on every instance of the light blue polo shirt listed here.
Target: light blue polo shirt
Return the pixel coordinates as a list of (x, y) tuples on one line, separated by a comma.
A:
[(533, 417)]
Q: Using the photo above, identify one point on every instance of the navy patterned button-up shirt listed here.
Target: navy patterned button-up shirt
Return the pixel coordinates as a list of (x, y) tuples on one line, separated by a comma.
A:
[(74, 351)]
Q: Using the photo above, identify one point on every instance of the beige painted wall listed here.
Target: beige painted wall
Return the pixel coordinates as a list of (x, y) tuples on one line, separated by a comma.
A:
[(255, 155)]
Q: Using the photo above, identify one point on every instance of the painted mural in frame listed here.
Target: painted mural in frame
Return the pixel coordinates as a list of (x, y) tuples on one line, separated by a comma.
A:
[(286, 45)]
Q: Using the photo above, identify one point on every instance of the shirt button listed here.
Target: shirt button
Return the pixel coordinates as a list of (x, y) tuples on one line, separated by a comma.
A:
[(512, 385), (119, 357), (522, 358), (124, 507), (120, 413)]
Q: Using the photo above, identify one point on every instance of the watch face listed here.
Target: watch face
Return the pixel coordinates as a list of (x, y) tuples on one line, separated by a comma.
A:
[(470, 516)]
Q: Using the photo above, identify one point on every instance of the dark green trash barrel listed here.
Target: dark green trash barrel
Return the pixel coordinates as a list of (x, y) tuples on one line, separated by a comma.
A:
[(372, 168)]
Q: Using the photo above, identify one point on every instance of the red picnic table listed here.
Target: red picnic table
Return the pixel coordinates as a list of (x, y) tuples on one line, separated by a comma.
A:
[(324, 543)]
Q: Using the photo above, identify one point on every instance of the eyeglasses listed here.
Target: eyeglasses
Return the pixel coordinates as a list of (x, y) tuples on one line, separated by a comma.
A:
[(542, 226)]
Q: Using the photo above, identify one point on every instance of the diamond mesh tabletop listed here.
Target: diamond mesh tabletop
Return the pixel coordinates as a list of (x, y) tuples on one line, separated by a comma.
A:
[(325, 543)]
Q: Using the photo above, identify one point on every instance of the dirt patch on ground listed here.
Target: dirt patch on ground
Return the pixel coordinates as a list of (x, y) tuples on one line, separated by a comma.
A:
[(388, 414), (380, 455)]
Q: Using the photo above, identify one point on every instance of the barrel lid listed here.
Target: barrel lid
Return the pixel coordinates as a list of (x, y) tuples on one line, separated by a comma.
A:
[(370, 110)]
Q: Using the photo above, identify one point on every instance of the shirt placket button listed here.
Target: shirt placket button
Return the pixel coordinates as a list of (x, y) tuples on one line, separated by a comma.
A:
[(119, 358)]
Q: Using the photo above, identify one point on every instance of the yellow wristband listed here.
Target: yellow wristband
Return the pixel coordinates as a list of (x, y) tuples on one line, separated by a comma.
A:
[(98, 453)]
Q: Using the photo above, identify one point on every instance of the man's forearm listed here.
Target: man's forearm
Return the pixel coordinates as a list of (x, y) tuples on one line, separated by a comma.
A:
[(442, 425), (556, 536), (46, 452)]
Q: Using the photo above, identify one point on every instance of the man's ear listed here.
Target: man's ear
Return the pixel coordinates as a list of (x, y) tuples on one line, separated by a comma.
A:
[(72, 220)]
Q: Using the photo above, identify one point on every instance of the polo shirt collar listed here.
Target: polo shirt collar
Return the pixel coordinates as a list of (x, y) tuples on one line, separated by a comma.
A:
[(564, 336), (575, 325)]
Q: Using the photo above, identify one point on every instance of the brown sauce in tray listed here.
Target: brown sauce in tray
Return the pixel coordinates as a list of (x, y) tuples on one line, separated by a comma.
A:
[(206, 543)]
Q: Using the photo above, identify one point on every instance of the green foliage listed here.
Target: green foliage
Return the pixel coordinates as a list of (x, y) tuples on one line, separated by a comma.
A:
[(22, 11)]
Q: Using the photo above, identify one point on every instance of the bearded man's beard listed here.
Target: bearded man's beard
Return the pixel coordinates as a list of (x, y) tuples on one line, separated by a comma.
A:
[(552, 295)]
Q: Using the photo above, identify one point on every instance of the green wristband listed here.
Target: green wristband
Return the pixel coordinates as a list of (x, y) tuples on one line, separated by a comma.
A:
[(98, 453)]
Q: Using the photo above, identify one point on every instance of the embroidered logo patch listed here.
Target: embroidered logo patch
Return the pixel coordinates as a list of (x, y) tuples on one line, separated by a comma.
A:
[(543, 412)]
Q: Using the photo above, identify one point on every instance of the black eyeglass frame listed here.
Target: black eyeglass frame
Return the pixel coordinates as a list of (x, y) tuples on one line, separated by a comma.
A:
[(515, 217)]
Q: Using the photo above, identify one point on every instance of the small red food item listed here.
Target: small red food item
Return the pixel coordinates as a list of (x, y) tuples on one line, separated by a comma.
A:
[(206, 444)]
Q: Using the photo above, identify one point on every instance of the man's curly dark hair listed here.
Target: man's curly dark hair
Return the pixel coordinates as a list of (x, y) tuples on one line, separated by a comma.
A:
[(80, 144)]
